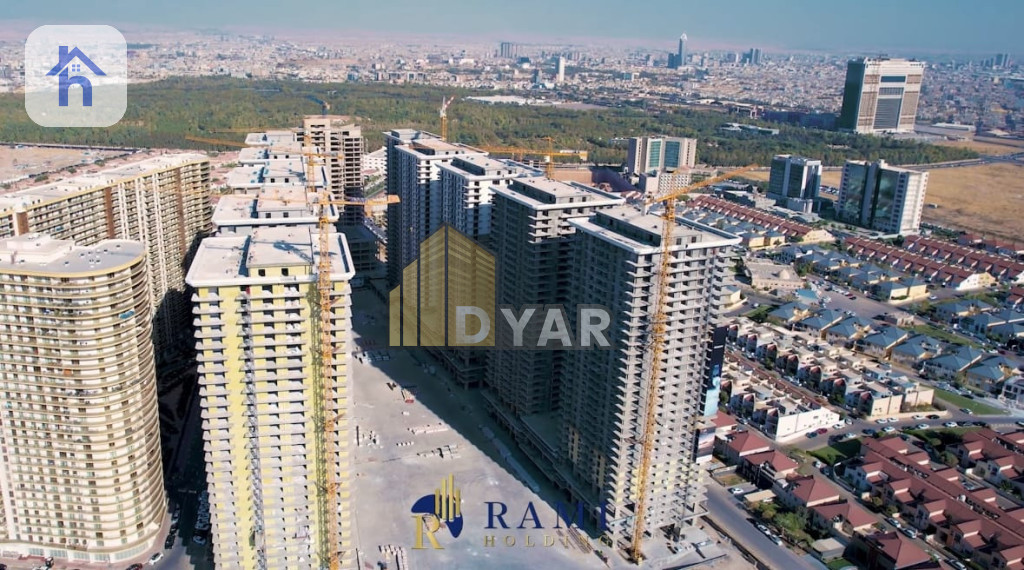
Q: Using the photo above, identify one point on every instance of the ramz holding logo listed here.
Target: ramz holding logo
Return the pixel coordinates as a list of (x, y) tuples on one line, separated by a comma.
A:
[(443, 509)]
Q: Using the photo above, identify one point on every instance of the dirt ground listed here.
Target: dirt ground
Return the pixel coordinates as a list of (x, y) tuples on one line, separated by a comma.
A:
[(983, 147), (987, 199), (33, 160)]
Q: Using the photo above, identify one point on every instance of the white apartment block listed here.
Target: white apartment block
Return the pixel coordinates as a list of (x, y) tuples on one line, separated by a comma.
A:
[(467, 186), (163, 201), (256, 339), (414, 161), (293, 206), (617, 258), (81, 476), (881, 197)]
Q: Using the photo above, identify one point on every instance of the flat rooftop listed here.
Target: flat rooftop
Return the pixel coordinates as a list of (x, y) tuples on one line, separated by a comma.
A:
[(438, 147), (629, 228), (267, 206), (277, 172), (228, 260), (483, 166), (86, 182), (39, 253), (271, 138), (542, 193)]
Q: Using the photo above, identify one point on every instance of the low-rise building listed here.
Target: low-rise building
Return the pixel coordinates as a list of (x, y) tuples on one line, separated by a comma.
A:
[(779, 279), (843, 518), (804, 492)]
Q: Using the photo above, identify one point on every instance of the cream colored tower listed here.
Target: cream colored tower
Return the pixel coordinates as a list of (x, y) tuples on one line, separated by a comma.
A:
[(80, 473), (256, 342)]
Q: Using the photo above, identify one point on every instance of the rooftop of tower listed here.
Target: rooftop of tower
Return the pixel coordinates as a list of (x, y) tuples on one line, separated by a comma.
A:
[(39, 253)]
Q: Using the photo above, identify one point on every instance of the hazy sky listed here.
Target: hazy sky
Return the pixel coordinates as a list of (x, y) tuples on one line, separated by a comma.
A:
[(979, 26)]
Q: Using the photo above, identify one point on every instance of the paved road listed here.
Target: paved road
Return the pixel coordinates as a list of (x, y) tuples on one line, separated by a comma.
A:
[(726, 512)]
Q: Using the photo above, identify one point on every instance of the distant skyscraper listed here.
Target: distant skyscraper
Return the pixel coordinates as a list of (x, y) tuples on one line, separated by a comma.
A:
[(881, 95), (752, 57), (508, 50), (560, 72), (681, 53), (794, 181), (660, 153), (1003, 60), (80, 473), (881, 197)]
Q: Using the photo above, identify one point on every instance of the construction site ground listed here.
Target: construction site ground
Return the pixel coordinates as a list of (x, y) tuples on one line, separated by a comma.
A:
[(405, 450)]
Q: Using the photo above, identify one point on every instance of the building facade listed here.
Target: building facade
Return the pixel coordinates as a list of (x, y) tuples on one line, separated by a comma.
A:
[(533, 243), (885, 198), (81, 476), (257, 338), (881, 95), (794, 181), (163, 202), (467, 189), (648, 154), (603, 399), (414, 160), (343, 147)]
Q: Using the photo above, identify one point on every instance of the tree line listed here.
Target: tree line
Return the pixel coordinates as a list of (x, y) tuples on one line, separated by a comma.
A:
[(160, 114)]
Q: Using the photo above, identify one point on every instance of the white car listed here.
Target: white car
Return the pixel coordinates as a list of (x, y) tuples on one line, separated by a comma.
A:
[(156, 558), (888, 429), (736, 491), (921, 426), (949, 424), (838, 426), (917, 417)]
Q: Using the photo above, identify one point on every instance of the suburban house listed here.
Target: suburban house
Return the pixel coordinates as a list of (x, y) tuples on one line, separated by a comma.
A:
[(888, 551), (740, 444), (804, 492), (842, 518), (948, 366)]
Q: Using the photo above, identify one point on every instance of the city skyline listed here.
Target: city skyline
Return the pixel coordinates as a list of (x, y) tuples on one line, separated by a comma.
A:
[(944, 26)]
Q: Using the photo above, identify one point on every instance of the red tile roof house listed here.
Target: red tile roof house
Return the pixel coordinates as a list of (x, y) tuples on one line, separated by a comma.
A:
[(889, 551), (767, 467), (804, 492), (740, 444), (935, 502), (841, 519)]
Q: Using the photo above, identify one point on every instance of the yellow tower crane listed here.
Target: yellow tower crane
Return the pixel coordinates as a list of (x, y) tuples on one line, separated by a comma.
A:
[(324, 414), (445, 103), (658, 326), (518, 153)]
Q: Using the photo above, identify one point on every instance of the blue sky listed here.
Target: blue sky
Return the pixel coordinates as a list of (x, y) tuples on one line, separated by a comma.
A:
[(946, 26)]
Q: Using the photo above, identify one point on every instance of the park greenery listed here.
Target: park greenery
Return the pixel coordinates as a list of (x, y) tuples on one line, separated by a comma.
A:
[(160, 114)]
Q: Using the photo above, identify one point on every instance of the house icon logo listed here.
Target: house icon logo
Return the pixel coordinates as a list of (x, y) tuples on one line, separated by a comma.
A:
[(65, 66), (76, 76)]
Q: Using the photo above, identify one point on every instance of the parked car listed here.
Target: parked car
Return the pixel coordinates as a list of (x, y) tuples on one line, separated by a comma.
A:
[(893, 522), (881, 421), (135, 567), (822, 431), (169, 542), (949, 424), (956, 564), (934, 416), (156, 558), (198, 540), (967, 411), (921, 426), (736, 491), (838, 426), (869, 432), (910, 532), (762, 528), (888, 429), (917, 417)]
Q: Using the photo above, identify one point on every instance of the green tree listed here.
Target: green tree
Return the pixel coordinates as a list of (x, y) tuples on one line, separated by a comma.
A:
[(792, 523)]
